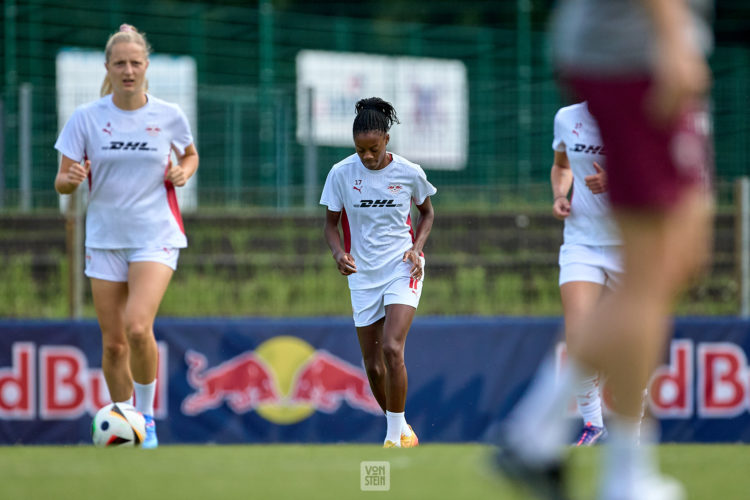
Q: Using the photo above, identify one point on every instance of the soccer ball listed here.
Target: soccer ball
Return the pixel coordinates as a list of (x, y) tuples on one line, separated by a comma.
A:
[(118, 424)]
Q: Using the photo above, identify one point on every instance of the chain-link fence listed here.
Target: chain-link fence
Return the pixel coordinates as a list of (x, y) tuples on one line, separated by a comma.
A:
[(256, 243)]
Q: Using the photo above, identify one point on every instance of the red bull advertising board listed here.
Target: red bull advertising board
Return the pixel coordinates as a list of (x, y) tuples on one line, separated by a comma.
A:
[(302, 380)]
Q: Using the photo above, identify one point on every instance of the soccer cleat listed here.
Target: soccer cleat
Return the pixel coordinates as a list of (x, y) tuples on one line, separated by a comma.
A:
[(151, 440), (409, 441), (543, 481), (389, 444), (590, 435)]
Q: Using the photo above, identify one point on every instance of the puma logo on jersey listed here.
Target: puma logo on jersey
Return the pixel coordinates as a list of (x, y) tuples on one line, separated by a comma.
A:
[(377, 204), (358, 189), (588, 149), (128, 146), (108, 129)]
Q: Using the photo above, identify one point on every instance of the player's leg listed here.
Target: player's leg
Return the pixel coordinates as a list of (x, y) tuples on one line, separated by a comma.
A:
[(108, 271), (401, 299), (109, 303), (398, 318), (148, 282), (638, 327), (371, 344), (579, 298)]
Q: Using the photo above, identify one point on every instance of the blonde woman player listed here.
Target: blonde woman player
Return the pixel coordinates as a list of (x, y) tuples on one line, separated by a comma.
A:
[(371, 193), (590, 260), (121, 144)]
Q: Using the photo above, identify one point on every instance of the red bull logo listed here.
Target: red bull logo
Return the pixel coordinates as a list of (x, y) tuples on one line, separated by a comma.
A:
[(284, 380), (244, 382), (55, 382), (710, 381)]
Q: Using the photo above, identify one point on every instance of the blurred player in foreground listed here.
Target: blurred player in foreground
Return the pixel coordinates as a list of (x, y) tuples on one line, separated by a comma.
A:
[(122, 143), (371, 193), (590, 261), (640, 65)]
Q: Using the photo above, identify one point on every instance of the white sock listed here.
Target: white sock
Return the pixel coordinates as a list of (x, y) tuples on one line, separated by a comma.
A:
[(537, 428), (588, 399), (396, 422), (128, 401), (625, 460), (405, 429), (144, 397)]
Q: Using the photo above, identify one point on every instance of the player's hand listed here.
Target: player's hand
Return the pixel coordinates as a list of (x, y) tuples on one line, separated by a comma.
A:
[(417, 270), (561, 207), (77, 173), (597, 183), (345, 263), (176, 175)]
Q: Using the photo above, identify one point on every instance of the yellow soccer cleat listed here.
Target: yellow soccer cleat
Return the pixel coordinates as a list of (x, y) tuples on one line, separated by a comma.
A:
[(389, 444), (409, 441)]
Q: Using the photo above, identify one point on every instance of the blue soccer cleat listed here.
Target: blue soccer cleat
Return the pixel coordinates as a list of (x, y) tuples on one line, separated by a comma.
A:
[(151, 440), (590, 435)]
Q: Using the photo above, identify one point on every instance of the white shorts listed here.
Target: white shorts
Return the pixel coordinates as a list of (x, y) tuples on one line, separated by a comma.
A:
[(597, 264), (368, 304), (112, 265)]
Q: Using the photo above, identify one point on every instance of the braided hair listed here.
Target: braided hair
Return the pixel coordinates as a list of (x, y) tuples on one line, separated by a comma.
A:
[(373, 114)]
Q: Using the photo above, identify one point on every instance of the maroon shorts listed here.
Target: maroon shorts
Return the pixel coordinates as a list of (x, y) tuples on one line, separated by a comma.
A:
[(648, 165)]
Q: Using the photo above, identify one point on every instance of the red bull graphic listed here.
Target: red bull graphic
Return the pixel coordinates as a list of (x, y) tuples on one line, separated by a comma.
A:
[(284, 379), (249, 381), (244, 382), (326, 381), (68, 387), (717, 374)]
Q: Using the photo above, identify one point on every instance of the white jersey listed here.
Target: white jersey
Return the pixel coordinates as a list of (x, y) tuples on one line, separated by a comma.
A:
[(590, 221), (375, 208), (130, 203)]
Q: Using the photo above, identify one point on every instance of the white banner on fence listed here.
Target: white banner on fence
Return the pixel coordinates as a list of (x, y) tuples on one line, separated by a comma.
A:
[(430, 97), (173, 78)]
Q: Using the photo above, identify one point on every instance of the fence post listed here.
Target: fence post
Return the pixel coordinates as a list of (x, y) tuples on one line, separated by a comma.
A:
[(311, 154), (2, 153), (74, 244), (742, 242), (24, 144), (523, 38)]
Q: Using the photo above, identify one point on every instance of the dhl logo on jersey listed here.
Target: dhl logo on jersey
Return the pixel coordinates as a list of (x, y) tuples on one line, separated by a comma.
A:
[(376, 204), (128, 146)]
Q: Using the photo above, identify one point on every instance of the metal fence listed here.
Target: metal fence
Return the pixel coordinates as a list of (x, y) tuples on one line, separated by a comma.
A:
[(247, 96), (494, 247)]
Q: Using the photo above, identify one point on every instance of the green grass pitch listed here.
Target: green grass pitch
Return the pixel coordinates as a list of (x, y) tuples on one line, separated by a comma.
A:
[(432, 471)]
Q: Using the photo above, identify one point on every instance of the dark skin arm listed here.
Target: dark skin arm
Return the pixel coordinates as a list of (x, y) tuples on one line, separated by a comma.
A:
[(344, 260), (424, 226)]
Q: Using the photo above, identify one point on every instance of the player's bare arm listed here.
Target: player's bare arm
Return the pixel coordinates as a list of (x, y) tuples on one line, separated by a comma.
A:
[(424, 226), (561, 179), (187, 164), (344, 260), (681, 73), (71, 174)]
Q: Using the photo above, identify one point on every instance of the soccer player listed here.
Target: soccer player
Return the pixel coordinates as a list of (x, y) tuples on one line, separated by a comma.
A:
[(371, 193), (590, 255), (122, 143), (641, 66)]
